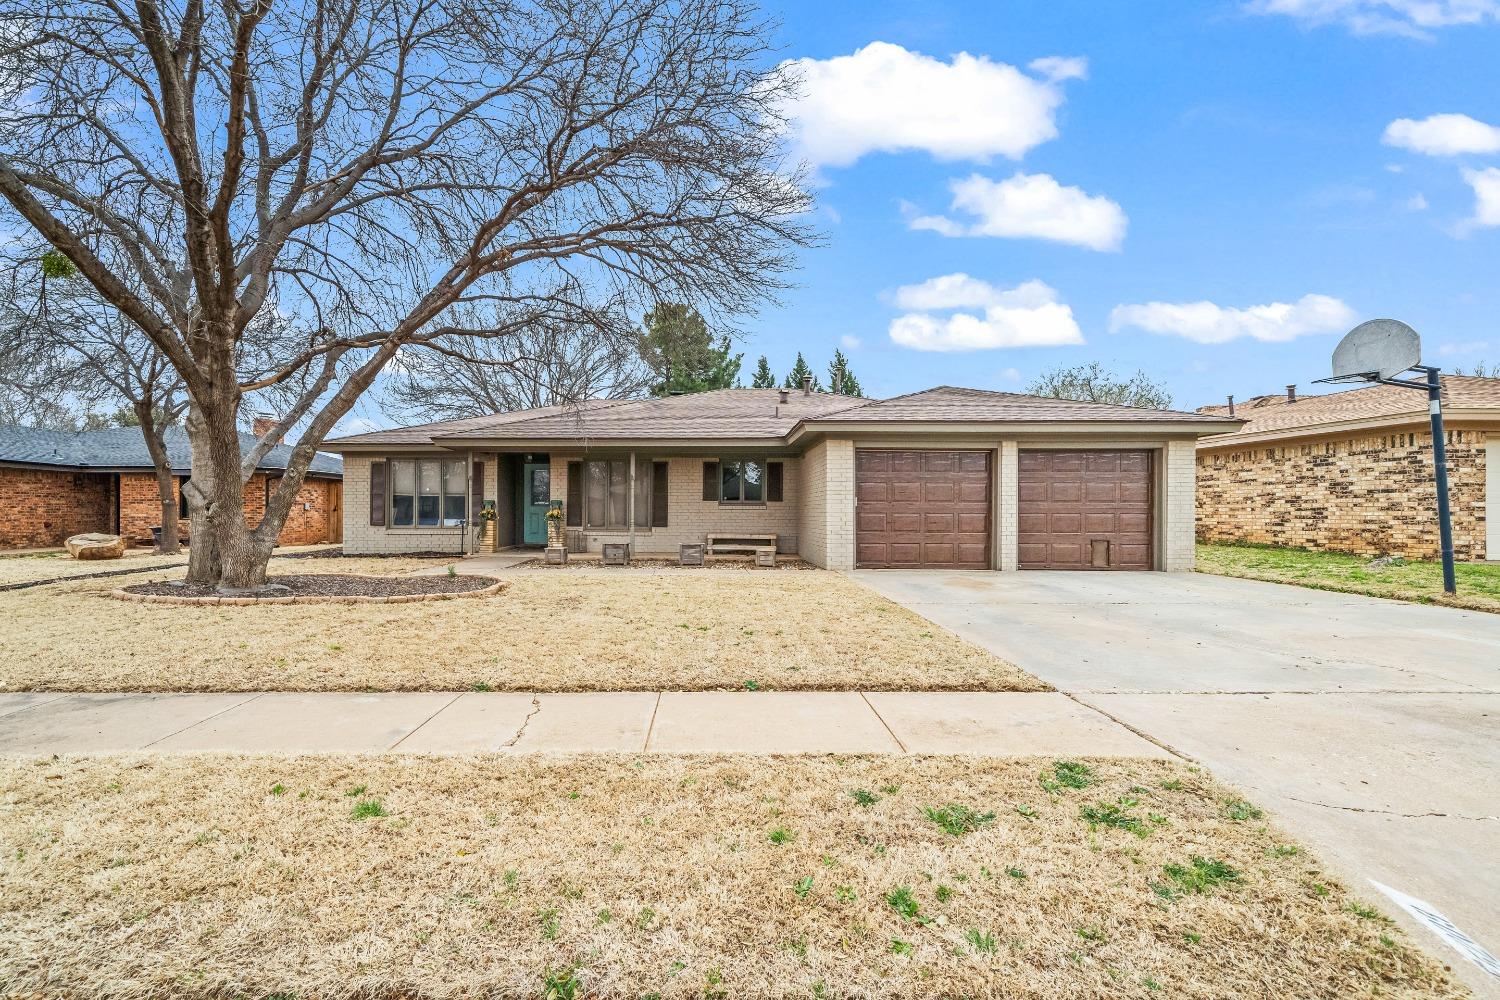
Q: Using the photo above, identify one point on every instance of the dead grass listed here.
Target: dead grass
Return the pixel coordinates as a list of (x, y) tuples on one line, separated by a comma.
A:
[(29, 566), (635, 876), (678, 630), (1406, 580)]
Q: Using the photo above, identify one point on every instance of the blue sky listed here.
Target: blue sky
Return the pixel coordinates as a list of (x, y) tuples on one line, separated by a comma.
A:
[(1209, 157)]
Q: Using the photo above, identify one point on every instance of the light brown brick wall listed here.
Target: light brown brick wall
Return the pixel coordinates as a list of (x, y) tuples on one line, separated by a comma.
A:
[(1368, 495), (689, 517), (42, 508)]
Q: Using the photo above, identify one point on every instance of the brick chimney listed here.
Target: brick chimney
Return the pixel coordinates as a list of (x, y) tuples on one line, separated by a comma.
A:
[(262, 424), (807, 381), (1231, 406), (1291, 394), (784, 395)]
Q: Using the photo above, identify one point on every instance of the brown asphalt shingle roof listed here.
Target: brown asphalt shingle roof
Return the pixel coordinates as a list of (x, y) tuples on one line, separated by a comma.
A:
[(947, 402), (1274, 416), (757, 414)]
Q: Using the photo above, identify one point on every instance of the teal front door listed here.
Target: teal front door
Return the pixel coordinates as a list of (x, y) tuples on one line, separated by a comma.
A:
[(536, 497)]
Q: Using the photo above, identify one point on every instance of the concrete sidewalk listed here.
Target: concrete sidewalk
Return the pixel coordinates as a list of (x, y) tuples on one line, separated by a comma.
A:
[(669, 722)]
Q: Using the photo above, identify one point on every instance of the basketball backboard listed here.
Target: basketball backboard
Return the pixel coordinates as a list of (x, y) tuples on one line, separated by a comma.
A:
[(1377, 349)]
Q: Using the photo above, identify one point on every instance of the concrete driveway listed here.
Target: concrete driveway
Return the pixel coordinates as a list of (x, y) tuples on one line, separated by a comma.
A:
[(1370, 727)]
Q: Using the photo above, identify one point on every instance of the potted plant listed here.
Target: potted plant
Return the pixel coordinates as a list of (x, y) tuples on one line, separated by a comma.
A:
[(555, 537)]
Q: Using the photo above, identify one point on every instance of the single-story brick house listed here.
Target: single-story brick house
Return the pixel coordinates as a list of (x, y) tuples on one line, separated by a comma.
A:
[(61, 483), (1352, 471), (949, 477)]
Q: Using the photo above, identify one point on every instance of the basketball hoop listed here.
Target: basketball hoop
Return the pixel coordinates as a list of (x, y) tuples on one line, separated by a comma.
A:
[(1378, 351)]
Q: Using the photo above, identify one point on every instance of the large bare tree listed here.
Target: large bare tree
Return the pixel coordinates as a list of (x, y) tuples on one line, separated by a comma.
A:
[(546, 364), (60, 342), (384, 174)]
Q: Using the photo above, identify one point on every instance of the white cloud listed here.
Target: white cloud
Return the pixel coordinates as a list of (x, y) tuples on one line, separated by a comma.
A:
[(1411, 18), (884, 98), (1486, 185), (1463, 348), (1208, 323), (1030, 205), (1443, 135), (1011, 375), (1417, 203), (1028, 315), (850, 342), (1059, 68)]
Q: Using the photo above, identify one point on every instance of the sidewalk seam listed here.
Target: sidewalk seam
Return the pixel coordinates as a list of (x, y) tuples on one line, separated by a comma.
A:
[(1125, 725), (871, 706), (446, 705), (206, 718), (651, 726)]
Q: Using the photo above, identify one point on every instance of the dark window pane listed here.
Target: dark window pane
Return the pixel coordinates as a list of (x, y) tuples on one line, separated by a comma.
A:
[(401, 509), (541, 486), (453, 509), (403, 492), (754, 475), (427, 510), (642, 494), (729, 481)]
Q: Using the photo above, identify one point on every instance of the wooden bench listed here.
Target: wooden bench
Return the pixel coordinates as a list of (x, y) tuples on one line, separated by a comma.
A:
[(762, 547)]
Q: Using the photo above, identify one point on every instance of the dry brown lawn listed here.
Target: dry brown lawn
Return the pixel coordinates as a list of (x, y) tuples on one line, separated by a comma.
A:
[(634, 876), (549, 631)]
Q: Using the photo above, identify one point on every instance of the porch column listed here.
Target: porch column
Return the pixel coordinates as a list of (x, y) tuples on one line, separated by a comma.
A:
[(1007, 508)]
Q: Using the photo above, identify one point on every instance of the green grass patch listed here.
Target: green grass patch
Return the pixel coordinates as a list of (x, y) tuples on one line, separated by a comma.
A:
[(1402, 579)]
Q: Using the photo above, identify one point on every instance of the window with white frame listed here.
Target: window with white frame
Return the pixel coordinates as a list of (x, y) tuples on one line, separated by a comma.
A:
[(428, 493)]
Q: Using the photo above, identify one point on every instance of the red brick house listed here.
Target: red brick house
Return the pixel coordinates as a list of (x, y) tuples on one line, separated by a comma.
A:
[(54, 484)]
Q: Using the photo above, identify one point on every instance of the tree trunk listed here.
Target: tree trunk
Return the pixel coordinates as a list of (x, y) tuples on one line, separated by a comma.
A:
[(156, 446), (242, 560), (203, 554)]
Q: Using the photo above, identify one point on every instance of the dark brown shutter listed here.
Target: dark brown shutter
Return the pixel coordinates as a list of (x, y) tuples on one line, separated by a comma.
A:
[(476, 490), (658, 494), (711, 481), (774, 476), (377, 493), (574, 513)]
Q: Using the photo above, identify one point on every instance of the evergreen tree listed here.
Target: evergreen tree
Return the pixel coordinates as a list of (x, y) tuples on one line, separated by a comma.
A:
[(840, 378), (763, 377), (800, 371), (679, 348)]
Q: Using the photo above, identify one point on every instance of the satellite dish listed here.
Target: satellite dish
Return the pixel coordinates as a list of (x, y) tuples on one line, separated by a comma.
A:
[(1380, 348)]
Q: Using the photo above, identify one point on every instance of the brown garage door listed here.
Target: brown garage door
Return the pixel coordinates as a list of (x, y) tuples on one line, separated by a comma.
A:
[(1085, 510), (922, 509)]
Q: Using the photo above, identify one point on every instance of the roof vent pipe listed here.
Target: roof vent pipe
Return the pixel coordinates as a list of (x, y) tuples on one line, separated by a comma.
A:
[(1291, 394), (785, 396), (1231, 406), (807, 385)]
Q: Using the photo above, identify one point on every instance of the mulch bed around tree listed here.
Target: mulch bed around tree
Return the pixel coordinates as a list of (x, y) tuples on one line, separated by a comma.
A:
[(318, 588)]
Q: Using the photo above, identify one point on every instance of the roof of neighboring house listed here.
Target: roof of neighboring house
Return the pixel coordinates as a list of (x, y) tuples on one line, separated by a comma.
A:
[(125, 448), (952, 403), (1272, 417), (758, 414)]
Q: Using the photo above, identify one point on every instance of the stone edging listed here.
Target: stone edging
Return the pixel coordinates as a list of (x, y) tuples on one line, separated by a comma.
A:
[(494, 588)]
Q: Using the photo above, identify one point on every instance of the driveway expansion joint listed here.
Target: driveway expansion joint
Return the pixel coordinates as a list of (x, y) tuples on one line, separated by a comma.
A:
[(1391, 812)]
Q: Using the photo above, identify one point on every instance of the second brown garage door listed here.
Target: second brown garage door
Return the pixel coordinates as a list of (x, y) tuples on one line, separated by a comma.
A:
[(922, 509), (1085, 510)]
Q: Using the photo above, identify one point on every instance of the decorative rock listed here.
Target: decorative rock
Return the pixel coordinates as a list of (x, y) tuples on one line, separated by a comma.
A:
[(95, 545)]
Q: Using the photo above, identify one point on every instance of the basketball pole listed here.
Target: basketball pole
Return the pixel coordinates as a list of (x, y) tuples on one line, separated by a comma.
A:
[(1440, 467)]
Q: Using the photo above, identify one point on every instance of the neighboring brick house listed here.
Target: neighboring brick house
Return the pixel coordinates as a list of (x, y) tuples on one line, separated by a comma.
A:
[(947, 478), (54, 484), (1352, 471)]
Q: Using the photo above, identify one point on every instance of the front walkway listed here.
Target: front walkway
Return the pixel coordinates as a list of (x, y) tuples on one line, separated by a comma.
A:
[(790, 722)]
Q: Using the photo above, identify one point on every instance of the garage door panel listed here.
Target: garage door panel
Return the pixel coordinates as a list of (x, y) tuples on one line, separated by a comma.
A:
[(933, 509), (1064, 492), (939, 524), (1084, 509)]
